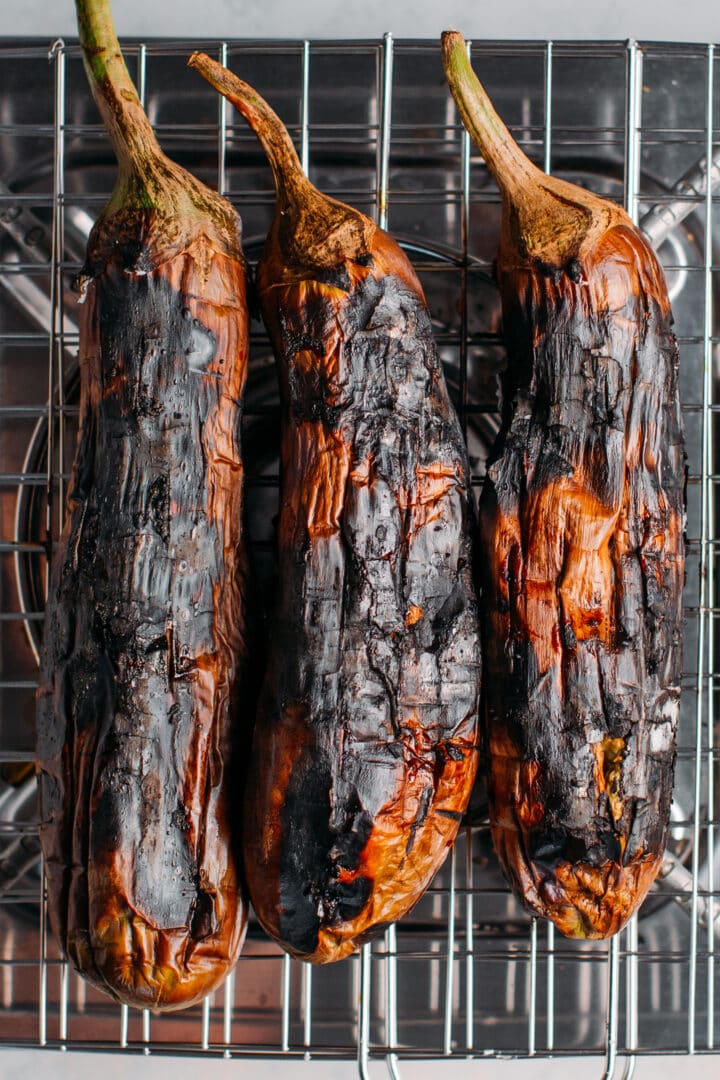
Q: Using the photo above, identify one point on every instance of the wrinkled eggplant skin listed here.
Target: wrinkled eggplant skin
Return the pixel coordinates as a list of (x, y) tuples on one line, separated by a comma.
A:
[(145, 637), (582, 518), (365, 746)]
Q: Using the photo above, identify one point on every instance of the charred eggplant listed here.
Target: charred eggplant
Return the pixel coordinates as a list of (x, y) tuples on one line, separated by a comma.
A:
[(582, 517), (145, 625), (365, 744)]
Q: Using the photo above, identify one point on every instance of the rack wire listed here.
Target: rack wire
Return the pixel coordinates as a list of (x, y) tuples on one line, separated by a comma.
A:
[(468, 973)]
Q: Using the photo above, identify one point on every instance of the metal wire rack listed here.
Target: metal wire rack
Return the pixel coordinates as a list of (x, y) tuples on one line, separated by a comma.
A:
[(468, 973)]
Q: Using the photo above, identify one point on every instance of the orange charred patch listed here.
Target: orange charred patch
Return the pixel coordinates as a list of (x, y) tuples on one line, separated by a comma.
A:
[(434, 483), (552, 569), (413, 616), (528, 797), (323, 460), (608, 772)]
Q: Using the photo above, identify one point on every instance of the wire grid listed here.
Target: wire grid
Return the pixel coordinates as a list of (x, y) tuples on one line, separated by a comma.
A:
[(469, 973)]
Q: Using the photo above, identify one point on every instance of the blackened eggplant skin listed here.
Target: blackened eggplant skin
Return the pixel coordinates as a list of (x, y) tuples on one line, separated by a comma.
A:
[(365, 746), (145, 625), (582, 518)]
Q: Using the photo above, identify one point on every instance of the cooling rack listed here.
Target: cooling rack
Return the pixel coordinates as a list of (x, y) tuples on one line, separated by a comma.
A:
[(468, 973)]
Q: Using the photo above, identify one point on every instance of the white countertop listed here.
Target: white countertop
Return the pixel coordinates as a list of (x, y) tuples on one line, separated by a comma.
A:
[(53, 1065)]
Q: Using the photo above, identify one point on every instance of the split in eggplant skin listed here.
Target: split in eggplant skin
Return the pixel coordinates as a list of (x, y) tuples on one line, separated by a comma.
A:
[(365, 747), (145, 626), (582, 518)]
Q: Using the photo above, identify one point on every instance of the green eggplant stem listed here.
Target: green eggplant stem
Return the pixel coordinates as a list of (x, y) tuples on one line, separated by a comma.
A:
[(132, 136), (155, 203), (544, 218), (508, 164)]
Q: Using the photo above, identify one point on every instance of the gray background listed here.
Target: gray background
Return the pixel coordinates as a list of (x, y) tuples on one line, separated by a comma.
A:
[(682, 20), (690, 20)]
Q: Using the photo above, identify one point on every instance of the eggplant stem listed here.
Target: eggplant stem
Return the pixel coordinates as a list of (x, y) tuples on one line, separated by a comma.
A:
[(544, 218), (130, 131), (510, 167), (287, 171), (314, 230)]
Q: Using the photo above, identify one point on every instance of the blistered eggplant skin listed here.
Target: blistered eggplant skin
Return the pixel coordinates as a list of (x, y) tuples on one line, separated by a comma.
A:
[(366, 744), (582, 551), (145, 638), (582, 544)]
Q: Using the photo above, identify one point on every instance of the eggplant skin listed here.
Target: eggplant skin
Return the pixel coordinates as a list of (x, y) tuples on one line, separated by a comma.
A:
[(366, 745), (582, 519), (145, 637)]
